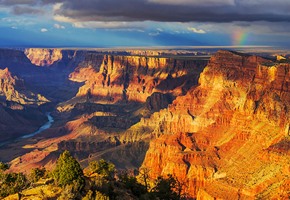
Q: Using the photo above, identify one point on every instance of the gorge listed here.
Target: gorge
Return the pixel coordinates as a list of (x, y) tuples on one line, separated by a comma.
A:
[(45, 126), (219, 125)]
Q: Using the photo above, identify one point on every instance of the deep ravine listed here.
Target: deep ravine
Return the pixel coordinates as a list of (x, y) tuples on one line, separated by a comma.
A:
[(44, 127), (47, 125)]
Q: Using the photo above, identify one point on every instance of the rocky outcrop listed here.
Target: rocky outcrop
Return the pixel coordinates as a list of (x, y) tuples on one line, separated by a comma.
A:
[(227, 138), (86, 146), (158, 101), (43, 57), (114, 79), (13, 89)]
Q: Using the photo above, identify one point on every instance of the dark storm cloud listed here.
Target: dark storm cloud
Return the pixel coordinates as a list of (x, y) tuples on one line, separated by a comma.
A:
[(164, 10), (174, 11)]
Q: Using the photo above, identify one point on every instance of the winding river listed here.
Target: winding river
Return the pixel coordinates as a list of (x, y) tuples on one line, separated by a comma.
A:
[(45, 126)]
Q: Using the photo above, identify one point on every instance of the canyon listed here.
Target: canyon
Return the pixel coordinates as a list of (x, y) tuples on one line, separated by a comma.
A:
[(219, 125), (18, 107)]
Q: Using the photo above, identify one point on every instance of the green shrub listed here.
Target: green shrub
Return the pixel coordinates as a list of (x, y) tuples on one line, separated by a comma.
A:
[(103, 168), (68, 193), (89, 196), (12, 183), (101, 196), (131, 183), (4, 166), (68, 171), (36, 174), (165, 188)]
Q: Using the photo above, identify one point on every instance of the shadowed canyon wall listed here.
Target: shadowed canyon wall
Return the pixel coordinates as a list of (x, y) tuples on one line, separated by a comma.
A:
[(18, 107)]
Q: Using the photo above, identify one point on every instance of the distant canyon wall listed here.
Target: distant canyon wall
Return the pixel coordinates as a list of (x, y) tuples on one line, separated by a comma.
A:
[(43, 57), (134, 78)]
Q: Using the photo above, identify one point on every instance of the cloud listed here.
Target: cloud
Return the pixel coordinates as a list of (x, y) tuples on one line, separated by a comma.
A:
[(18, 21), (20, 10), (156, 10), (134, 14), (43, 30), (196, 30), (108, 25), (154, 34), (172, 10), (18, 2), (195, 2), (58, 26), (256, 28)]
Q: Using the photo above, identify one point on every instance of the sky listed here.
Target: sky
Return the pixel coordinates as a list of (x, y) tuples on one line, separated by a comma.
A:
[(119, 23)]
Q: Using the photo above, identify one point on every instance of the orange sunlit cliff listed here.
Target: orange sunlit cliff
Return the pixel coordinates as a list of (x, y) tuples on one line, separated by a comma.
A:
[(229, 137)]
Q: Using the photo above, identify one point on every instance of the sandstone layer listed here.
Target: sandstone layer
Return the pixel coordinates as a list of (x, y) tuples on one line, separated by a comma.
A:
[(229, 137), (134, 78)]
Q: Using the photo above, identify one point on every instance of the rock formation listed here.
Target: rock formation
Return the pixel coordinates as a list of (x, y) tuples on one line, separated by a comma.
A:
[(117, 92), (43, 57), (13, 89), (134, 78), (222, 131), (229, 137)]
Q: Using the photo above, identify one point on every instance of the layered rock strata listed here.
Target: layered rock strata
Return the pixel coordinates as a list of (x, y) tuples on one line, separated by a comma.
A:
[(134, 78), (229, 137)]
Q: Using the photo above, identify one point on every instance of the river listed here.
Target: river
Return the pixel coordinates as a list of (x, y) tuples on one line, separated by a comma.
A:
[(45, 126)]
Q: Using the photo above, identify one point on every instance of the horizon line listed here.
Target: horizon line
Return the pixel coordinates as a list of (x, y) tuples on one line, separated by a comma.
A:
[(142, 47)]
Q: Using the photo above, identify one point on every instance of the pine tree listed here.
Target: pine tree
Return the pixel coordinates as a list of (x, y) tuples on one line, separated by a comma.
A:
[(68, 171)]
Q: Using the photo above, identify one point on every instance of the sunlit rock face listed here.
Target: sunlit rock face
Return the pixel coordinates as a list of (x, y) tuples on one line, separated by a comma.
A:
[(229, 137), (43, 57), (134, 78), (13, 89)]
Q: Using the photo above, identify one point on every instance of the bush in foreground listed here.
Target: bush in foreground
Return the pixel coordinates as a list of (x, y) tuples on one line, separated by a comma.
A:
[(68, 171)]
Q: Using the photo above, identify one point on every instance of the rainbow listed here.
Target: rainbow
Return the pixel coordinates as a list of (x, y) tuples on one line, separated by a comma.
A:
[(239, 37)]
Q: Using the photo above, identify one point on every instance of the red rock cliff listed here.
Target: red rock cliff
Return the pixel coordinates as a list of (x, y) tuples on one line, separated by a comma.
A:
[(229, 137), (134, 78)]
